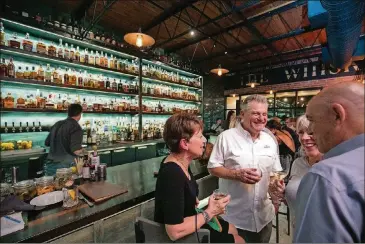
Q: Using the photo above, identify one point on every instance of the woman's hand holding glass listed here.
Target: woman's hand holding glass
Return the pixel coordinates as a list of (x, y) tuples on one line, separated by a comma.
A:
[(217, 206)]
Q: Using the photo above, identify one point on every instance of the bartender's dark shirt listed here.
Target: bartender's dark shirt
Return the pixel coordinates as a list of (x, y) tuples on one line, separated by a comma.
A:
[(64, 138)]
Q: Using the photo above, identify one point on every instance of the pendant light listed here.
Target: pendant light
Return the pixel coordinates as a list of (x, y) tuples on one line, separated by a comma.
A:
[(253, 84), (139, 39), (219, 71)]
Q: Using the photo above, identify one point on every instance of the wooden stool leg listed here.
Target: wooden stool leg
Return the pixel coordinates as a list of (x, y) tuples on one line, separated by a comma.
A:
[(277, 228)]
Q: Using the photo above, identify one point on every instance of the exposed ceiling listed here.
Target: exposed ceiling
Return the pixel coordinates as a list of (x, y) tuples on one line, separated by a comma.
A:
[(236, 34)]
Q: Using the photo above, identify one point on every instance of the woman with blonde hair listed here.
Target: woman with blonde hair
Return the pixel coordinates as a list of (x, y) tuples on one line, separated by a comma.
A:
[(302, 164)]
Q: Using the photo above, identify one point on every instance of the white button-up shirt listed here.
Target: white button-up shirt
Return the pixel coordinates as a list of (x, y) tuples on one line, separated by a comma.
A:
[(250, 207)]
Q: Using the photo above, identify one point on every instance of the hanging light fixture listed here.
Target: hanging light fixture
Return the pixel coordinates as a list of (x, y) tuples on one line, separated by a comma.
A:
[(219, 71), (139, 39), (253, 84)]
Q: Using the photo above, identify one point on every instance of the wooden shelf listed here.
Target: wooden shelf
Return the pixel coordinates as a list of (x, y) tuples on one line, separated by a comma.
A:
[(168, 98), (40, 110), (50, 84), (170, 82), (42, 57)]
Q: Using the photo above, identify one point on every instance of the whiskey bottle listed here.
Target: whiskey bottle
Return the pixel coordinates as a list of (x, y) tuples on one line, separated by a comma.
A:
[(13, 128), (3, 68), (6, 128), (48, 74), (26, 73), (27, 43), (80, 79), (14, 41), (120, 86), (11, 69), (56, 76), (114, 86), (33, 74), (60, 53), (19, 73), (52, 50), (97, 59), (41, 47), (27, 128), (107, 85), (102, 59), (111, 62), (33, 128), (20, 127), (66, 78), (73, 78), (40, 76), (66, 52), (91, 58), (86, 57), (72, 53), (77, 54)]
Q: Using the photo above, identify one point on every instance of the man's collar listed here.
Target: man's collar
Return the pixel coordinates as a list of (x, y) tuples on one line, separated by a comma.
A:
[(346, 146), (245, 132)]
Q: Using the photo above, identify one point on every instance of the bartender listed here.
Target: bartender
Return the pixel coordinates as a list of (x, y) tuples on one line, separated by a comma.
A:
[(64, 140)]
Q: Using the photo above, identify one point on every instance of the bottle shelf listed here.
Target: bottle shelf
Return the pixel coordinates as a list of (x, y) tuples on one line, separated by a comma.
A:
[(55, 60), (160, 97), (41, 110), (170, 68), (35, 83), (170, 83)]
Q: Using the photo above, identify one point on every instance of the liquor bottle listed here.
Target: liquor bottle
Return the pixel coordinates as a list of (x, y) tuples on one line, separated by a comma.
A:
[(66, 78), (2, 34), (114, 85), (33, 128), (111, 62), (52, 50), (6, 127), (27, 43), (3, 68), (39, 127), (88, 136), (13, 128), (27, 128), (19, 73), (56, 76), (40, 72), (48, 74), (77, 54), (11, 68), (91, 58), (14, 41), (107, 85), (93, 136), (84, 105), (33, 74), (59, 103), (102, 59), (97, 59), (86, 57), (84, 135), (80, 79), (115, 62), (106, 60), (60, 52), (120, 86), (26, 73), (41, 47), (73, 78), (66, 52), (72, 53), (20, 127)]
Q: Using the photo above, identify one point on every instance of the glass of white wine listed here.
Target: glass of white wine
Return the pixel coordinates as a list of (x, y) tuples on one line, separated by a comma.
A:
[(217, 195)]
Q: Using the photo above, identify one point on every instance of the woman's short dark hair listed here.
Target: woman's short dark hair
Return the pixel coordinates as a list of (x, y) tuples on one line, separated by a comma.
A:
[(180, 126), (273, 124), (229, 115), (74, 110)]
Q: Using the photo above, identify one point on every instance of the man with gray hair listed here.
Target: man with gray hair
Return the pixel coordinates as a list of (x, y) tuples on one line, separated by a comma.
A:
[(243, 158), (330, 200)]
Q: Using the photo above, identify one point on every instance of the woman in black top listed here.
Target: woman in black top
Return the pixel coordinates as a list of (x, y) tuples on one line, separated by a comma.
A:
[(176, 189)]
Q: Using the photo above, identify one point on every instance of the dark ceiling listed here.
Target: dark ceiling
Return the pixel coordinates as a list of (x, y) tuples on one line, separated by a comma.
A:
[(236, 34)]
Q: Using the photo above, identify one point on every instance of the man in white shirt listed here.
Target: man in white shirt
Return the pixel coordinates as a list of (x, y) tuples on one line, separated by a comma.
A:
[(243, 158)]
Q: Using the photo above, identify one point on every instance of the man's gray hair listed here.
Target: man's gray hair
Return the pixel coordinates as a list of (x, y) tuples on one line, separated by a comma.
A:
[(253, 98)]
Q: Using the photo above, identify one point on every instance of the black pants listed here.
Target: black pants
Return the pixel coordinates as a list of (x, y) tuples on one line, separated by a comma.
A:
[(257, 237)]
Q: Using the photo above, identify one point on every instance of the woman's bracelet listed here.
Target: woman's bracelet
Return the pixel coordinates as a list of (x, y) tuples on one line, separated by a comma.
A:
[(206, 217)]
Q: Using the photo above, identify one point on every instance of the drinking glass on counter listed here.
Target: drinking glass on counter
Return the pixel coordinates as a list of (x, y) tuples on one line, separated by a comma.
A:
[(70, 194)]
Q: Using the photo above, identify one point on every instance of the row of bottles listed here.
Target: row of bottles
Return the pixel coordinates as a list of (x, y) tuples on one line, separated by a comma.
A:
[(43, 100), (71, 53), (162, 74), (22, 127), (166, 91), (66, 76)]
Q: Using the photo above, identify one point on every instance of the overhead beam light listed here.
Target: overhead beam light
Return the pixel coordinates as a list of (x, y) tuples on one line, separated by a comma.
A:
[(192, 33), (219, 71), (139, 39)]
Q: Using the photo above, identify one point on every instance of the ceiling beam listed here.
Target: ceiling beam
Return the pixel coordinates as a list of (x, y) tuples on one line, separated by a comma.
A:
[(249, 21), (167, 13), (214, 20), (313, 51), (266, 41)]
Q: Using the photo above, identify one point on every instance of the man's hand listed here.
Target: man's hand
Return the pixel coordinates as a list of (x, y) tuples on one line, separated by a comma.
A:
[(248, 175)]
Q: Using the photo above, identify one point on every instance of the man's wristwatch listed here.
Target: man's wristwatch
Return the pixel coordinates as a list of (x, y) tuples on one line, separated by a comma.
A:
[(206, 217)]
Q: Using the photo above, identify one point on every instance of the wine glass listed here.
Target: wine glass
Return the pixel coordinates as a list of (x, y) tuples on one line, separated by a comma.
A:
[(218, 194)]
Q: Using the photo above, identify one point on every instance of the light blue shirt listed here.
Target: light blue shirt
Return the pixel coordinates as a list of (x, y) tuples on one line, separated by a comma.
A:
[(330, 203)]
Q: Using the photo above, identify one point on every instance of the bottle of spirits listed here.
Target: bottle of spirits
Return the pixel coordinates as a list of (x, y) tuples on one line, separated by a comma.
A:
[(66, 52), (80, 79), (111, 62), (107, 85), (120, 86), (33, 74), (106, 61), (40, 76), (19, 73), (102, 59), (41, 47), (52, 50), (77, 54), (97, 59), (91, 58), (114, 85), (27, 128), (2, 34), (56, 76), (48, 74), (86, 56), (66, 78), (27, 43), (72, 53), (33, 128), (3, 68), (11, 68), (60, 52), (39, 127), (26, 73), (73, 78), (14, 41)]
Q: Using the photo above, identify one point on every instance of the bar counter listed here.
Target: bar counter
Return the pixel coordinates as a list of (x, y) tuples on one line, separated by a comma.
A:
[(84, 222)]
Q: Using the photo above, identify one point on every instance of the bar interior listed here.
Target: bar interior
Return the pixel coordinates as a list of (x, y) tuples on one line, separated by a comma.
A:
[(131, 65)]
